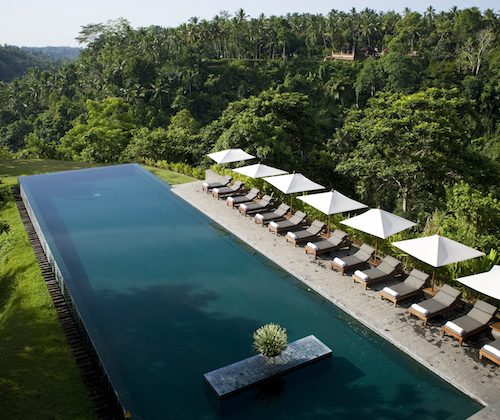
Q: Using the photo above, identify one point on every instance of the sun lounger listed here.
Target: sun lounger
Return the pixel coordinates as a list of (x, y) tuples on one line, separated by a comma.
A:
[(285, 225), (337, 240), (236, 200), (444, 300), (362, 256), (226, 191), (412, 286), (473, 323), (279, 213), (491, 351), (255, 207), (305, 235), (388, 268), (208, 186)]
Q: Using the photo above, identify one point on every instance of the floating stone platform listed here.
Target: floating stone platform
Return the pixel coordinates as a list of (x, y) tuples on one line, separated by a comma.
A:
[(257, 369)]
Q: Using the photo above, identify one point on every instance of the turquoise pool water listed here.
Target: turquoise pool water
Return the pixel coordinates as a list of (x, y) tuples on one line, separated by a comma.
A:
[(167, 295)]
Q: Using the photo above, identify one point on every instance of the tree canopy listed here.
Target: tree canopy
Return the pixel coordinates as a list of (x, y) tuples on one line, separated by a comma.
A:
[(411, 117)]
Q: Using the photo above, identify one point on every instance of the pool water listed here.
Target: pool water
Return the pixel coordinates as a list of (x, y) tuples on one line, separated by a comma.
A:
[(167, 295)]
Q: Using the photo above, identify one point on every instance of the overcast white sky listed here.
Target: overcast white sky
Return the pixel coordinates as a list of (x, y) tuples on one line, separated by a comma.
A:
[(57, 22)]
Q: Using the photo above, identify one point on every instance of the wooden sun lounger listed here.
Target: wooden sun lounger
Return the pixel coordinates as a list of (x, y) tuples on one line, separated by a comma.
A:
[(277, 214), (388, 268), (411, 286), (476, 321), (286, 225), (223, 192), (208, 186), (305, 235), (362, 256), (255, 207), (488, 349), (444, 300), (235, 201), (337, 240)]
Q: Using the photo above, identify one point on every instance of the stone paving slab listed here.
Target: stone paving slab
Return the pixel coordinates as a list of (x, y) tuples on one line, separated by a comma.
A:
[(256, 369), (442, 355)]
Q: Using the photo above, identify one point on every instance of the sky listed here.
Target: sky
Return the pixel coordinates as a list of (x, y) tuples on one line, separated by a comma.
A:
[(38, 23)]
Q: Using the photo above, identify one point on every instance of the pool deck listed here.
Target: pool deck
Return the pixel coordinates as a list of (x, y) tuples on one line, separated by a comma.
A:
[(442, 355)]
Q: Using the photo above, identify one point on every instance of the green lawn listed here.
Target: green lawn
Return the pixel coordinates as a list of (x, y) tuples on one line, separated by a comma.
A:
[(38, 377)]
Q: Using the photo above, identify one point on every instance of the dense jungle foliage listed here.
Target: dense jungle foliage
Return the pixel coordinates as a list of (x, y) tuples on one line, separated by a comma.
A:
[(411, 125)]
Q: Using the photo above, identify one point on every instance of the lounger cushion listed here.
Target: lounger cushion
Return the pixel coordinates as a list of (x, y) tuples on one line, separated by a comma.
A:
[(454, 327), (331, 242), (432, 306), (414, 282), (337, 233), (389, 264), (419, 274), (403, 289), (389, 291), (447, 295), (340, 262), (318, 225), (371, 274), (367, 249), (351, 260), (301, 234), (361, 255), (482, 312), (362, 275), (282, 225), (467, 324), (420, 309), (491, 349), (312, 246)]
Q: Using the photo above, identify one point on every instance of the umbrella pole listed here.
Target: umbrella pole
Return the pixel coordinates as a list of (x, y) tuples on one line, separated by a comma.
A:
[(433, 278)]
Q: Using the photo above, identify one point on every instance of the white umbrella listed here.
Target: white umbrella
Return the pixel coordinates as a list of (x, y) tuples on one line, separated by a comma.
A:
[(487, 283), (259, 170), (293, 183), (437, 250), (379, 223), (332, 202), (230, 155)]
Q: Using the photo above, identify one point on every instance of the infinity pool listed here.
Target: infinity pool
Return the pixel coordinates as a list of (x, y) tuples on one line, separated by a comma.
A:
[(166, 295)]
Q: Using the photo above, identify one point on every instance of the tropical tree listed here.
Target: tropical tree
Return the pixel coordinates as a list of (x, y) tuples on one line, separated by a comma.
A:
[(409, 145)]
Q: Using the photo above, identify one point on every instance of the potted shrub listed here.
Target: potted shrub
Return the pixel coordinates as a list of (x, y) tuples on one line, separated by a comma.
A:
[(270, 340)]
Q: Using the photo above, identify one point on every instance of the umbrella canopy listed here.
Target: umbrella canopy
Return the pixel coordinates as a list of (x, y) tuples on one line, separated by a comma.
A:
[(487, 283), (259, 170), (437, 250), (230, 155), (293, 183), (379, 223), (332, 202)]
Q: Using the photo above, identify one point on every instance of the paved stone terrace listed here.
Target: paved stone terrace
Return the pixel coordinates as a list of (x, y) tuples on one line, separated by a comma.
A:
[(444, 356)]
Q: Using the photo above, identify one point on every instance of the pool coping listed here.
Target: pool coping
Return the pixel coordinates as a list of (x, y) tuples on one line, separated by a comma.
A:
[(378, 316)]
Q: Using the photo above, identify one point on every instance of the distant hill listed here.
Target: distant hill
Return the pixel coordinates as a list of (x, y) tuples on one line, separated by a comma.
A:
[(57, 53), (15, 61)]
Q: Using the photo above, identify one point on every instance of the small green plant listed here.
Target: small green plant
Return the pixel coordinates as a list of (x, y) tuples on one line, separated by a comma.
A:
[(270, 340), (4, 227)]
